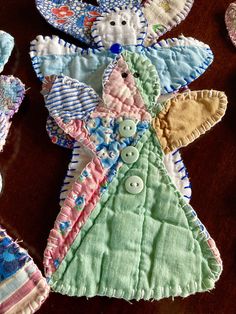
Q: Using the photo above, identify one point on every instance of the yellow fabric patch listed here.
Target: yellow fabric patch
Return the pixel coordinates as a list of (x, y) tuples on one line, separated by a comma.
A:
[(187, 116)]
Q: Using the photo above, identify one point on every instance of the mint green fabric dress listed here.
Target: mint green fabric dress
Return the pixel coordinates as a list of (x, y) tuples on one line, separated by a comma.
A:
[(141, 246)]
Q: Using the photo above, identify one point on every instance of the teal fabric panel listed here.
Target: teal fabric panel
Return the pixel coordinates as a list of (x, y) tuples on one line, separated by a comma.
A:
[(6, 46), (179, 66)]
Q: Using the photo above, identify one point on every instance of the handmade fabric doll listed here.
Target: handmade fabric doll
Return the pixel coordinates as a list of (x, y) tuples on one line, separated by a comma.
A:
[(124, 230), (230, 20), (122, 19), (22, 287)]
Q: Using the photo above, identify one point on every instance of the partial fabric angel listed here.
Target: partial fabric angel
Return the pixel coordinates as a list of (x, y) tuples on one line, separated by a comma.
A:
[(22, 286), (121, 231), (230, 20), (117, 22)]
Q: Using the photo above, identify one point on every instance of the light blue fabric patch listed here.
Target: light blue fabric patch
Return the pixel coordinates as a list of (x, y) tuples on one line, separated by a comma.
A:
[(6, 46), (177, 66)]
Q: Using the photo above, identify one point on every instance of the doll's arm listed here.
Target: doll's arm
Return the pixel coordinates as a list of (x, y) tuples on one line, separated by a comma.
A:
[(69, 102), (179, 61), (162, 16), (54, 56), (188, 115)]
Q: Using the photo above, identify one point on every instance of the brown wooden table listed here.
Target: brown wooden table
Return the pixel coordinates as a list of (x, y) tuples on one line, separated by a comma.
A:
[(33, 168)]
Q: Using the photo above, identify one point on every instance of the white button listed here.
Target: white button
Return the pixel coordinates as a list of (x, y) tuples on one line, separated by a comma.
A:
[(130, 154), (134, 185), (127, 128)]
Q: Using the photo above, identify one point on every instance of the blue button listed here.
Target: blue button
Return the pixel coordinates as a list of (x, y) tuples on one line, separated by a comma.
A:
[(116, 48)]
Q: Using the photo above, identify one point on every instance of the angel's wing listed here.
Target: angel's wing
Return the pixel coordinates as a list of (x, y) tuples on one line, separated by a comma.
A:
[(68, 100), (6, 46), (72, 17), (178, 61), (163, 15), (188, 115)]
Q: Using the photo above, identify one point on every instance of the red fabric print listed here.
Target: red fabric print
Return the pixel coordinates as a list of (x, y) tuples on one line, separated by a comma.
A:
[(92, 15), (62, 13)]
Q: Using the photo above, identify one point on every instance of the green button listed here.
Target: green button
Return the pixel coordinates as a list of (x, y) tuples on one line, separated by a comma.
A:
[(130, 154), (127, 128), (134, 185)]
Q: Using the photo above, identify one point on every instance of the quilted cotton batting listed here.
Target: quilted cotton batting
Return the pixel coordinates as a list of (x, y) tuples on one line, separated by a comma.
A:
[(124, 230)]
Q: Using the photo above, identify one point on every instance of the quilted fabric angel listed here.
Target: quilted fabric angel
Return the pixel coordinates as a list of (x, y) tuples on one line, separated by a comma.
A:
[(54, 56), (124, 230), (22, 287), (230, 20)]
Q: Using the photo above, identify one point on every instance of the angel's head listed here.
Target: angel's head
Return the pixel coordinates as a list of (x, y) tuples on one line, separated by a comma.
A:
[(123, 25)]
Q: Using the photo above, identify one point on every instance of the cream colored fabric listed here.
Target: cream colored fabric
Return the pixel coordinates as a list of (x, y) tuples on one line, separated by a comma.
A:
[(166, 14), (188, 115)]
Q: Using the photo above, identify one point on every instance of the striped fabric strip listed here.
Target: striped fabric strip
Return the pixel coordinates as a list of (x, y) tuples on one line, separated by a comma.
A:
[(14, 283), (70, 99), (32, 301), (25, 292)]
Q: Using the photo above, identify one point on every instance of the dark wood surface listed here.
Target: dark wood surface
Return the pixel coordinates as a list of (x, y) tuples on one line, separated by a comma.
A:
[(33, 168)]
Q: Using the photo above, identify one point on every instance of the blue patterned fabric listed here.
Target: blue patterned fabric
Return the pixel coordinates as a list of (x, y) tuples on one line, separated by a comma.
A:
[(109, 4), (57, 136), (72, 17), (12, 257), (106, 137)]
